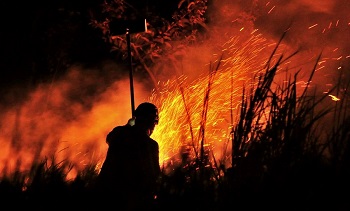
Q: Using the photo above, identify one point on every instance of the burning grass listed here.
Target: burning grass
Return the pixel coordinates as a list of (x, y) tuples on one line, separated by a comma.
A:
[(285, 150)]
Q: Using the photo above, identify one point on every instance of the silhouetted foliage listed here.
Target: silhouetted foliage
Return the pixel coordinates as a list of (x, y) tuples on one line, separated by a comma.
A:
[(283, 162), (290, 151)]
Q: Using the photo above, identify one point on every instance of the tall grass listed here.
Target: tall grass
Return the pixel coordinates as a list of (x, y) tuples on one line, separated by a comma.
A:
[(290, 151)]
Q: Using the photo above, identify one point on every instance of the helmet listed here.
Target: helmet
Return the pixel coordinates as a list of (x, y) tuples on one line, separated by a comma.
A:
[(147, 111)]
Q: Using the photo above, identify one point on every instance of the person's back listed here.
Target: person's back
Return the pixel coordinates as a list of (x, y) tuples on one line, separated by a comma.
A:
[(131, 168)]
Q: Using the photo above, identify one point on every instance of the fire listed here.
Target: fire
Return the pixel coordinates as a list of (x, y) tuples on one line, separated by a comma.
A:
[(49, 125), (182, 102), (69, 118)]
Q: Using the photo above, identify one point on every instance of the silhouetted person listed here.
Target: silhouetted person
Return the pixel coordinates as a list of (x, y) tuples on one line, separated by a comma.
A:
[(129, 174)]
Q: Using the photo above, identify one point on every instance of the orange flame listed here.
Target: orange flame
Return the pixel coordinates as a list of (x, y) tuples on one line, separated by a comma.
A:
[(240, 63)]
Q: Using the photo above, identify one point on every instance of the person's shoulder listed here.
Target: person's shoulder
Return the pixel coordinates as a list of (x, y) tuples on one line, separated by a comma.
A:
[(117, 132), (120, 128)]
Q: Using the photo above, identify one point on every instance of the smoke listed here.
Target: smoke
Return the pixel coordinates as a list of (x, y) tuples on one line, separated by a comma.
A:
[(67, 119), (245, 33), (70, 117), (313, 29)]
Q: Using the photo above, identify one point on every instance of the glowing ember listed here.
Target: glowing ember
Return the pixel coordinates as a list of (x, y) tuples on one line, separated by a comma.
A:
[(60, 121), (50, 126), (241, 61), (334, 98)]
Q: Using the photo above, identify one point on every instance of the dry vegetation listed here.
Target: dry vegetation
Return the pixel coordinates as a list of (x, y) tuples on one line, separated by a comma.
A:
[(285, 156), (289, 152)]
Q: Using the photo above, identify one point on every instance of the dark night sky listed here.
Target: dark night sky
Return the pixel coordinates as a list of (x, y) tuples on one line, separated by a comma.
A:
[(34, 33)]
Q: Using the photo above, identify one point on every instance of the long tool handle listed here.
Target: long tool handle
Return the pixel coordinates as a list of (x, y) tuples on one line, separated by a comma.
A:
[(130, 74)]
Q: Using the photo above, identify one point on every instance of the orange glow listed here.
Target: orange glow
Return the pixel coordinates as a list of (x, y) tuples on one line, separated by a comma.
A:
[(60, 120), (48, 125), (174, 130)]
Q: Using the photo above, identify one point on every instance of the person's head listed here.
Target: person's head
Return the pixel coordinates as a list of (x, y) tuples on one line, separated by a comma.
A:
[(146, 116)]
